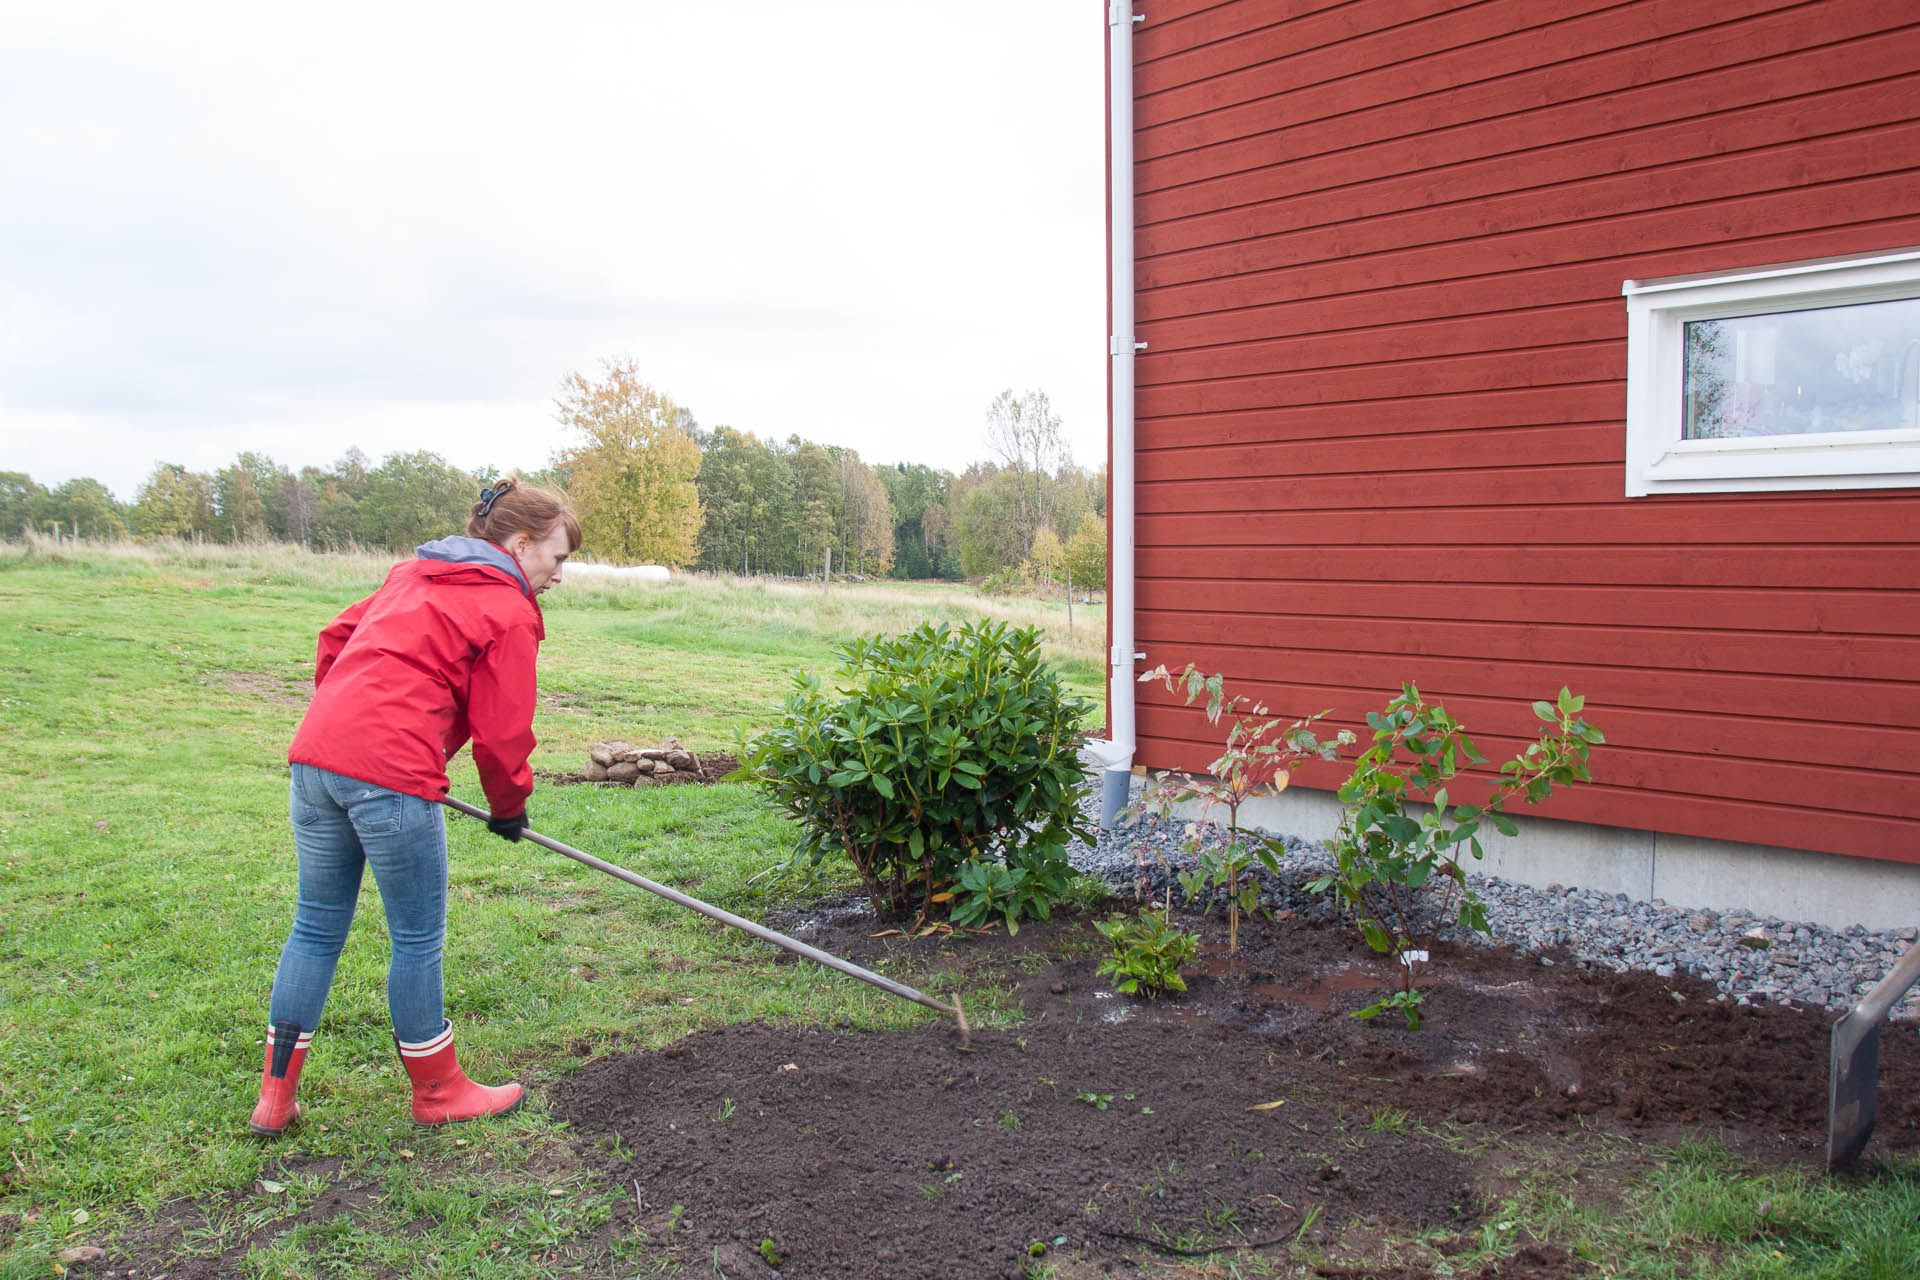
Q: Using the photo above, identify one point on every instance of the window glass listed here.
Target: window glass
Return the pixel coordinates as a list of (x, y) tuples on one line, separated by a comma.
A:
[(1831, 369)]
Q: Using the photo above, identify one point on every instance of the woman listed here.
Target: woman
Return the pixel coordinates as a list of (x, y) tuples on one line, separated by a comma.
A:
[(442, 653)]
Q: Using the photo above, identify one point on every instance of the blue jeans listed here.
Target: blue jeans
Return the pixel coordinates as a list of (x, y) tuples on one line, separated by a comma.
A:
[(340, 827)]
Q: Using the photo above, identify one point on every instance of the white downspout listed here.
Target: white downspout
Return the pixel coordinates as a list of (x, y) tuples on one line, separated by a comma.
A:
[(1116, 753)]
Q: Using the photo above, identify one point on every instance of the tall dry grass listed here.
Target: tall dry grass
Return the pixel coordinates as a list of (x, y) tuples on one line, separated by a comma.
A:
[(248, 561), (720, 601)]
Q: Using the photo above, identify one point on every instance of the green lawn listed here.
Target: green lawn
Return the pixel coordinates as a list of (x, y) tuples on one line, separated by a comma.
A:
[(146, 876)]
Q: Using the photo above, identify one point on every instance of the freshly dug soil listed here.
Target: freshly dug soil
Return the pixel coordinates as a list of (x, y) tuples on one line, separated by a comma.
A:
[(1249, 1114), (1108, 1128)]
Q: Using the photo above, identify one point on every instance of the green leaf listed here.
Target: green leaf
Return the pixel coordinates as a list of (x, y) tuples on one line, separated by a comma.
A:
[(1546, 712), (884, 787)]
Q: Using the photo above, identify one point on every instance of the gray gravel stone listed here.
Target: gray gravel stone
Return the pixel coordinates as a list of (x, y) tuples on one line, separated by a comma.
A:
[(1806, 963)]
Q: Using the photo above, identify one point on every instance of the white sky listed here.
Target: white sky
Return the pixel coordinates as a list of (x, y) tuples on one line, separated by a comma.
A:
[(296, 229)]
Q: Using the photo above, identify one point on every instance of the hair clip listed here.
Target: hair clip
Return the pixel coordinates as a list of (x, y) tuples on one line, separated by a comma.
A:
[(488, 497)]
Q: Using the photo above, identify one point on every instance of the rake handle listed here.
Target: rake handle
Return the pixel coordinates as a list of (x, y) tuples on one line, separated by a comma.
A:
[(707, 909)]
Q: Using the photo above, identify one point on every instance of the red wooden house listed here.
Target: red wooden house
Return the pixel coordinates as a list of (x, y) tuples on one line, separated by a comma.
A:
[(1512, 344)]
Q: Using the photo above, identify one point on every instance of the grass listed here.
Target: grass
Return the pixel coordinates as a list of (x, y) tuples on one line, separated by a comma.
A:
[(144, 891), (145, 873)]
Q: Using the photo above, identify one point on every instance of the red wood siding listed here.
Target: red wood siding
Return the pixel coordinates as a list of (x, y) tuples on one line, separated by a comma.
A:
[(1380, 417)]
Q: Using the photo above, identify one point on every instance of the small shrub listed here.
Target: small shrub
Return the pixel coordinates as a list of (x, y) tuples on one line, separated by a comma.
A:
[(1260, 754), (1402, 876), (945, 767), (1148, 952), (1088, 893), (1006, 581)]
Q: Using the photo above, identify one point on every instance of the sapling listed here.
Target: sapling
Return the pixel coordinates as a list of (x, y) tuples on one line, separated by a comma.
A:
[(1389, 865), (1261, 751), (1148, 952)]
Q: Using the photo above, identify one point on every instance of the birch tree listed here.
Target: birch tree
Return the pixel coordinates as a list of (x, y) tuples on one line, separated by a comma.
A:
[(1025, 431)]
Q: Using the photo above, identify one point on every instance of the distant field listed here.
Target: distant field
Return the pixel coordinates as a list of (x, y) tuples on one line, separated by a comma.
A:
[(698, 655), (146, 881)]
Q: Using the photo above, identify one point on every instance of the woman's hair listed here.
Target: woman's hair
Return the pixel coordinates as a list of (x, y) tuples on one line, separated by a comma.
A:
[(507, 507)]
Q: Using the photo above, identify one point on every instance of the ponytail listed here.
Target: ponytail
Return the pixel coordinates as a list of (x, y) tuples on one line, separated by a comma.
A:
[(507, 507)]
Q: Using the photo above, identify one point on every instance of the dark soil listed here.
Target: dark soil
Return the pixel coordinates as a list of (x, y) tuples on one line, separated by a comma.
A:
[(903, 1155), (1250, 1114)]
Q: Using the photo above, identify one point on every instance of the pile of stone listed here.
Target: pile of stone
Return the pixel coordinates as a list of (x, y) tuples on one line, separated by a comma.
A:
[(632, 766)]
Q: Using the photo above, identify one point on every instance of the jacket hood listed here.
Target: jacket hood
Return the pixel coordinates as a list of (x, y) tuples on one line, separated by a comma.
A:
[(464, 550)]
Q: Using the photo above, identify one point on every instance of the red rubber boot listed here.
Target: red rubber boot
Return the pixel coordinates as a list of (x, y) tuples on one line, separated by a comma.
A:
[(286, 1054), (441, 1091)]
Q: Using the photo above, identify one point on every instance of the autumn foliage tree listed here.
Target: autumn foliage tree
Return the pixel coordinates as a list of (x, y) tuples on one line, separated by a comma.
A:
[(865, 517), (174, 503), (1086, 553), (1047, 556), (633, 474)]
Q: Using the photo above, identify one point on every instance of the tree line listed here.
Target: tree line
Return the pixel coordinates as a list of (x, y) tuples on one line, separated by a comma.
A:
[(651, 486)]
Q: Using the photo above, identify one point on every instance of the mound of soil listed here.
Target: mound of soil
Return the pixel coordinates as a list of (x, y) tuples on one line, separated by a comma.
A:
[(1249, 1115)]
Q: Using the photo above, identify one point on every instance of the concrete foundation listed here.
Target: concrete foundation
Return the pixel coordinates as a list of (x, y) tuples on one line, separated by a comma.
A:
[(1686, 871)]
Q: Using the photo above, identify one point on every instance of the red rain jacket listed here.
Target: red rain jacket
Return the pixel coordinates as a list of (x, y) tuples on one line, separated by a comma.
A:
[(441, 653)]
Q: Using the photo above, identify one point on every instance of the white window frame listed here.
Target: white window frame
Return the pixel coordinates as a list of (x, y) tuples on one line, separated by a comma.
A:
[(1659, 457)]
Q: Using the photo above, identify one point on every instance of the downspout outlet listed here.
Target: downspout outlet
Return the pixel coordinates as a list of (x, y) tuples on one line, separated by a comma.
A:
[(1116, 786)]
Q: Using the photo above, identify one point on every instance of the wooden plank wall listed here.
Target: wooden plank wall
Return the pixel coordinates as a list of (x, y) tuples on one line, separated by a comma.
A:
[(1380, 250)]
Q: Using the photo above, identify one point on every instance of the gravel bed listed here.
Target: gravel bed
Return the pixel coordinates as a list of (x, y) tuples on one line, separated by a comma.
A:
[(1750, 958)]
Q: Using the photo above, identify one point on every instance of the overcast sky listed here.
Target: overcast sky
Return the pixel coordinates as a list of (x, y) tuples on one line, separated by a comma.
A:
[(296, 229)]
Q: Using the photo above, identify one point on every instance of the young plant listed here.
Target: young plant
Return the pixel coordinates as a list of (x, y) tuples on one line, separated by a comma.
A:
[(944, 765), (986, 887), (1402, 876), (1148, 952), (1261, 751)]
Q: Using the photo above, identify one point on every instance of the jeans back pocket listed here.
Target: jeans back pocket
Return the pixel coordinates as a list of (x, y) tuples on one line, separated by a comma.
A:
[(375, 811)]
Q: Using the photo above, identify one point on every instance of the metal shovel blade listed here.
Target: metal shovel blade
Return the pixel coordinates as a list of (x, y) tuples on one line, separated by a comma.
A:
[(1853, 1069), (1853, 1064)]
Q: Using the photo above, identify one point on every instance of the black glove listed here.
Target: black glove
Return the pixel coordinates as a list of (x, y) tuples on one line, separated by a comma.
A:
[(509, 828)]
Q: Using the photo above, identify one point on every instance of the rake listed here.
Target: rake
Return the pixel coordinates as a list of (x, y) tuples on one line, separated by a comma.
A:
[(781, 940)]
